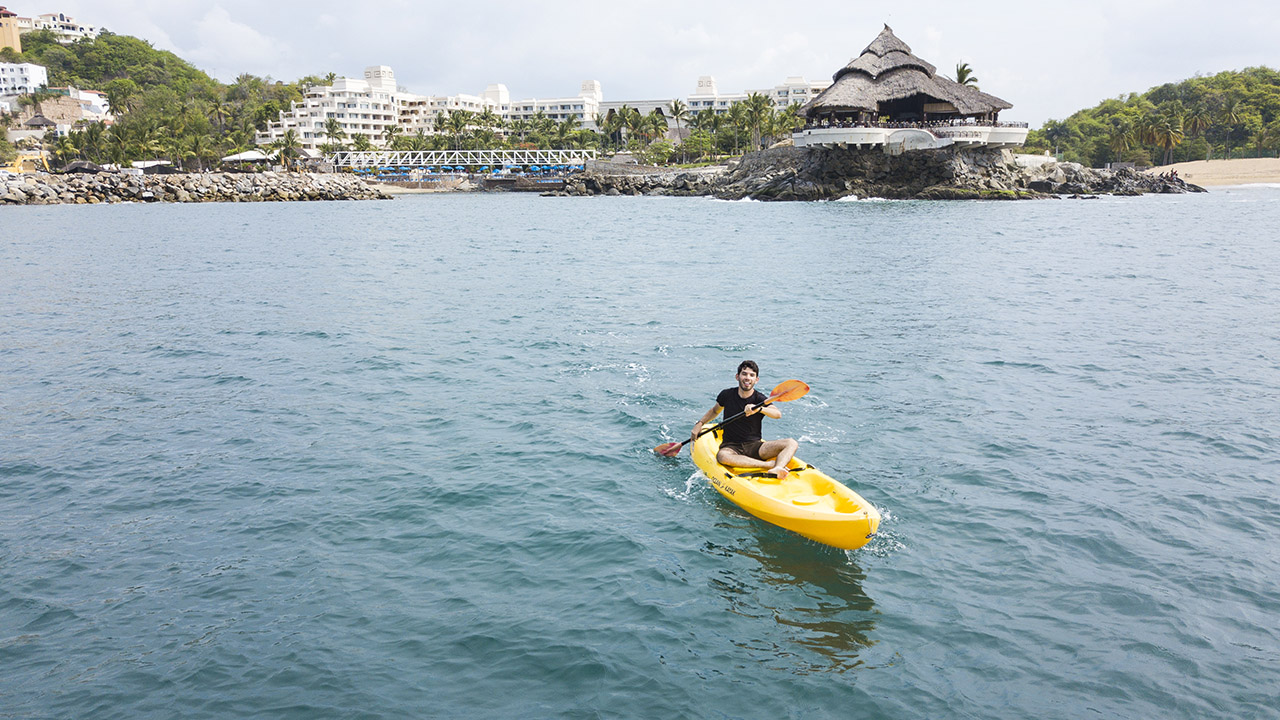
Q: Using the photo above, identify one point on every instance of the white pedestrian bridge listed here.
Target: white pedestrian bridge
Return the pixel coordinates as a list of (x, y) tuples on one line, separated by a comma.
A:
[(461, 158), (913, 136)]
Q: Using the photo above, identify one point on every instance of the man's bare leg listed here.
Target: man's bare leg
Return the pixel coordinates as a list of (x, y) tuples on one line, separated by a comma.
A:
[(733, 459), (778, 453)]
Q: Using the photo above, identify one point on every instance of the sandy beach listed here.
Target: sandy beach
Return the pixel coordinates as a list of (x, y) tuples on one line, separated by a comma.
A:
[(1244, 171)]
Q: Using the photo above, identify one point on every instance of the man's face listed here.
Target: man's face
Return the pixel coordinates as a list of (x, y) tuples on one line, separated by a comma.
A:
[(746, 379)]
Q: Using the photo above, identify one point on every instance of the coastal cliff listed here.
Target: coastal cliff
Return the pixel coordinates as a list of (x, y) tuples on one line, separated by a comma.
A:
[(791, 173), (94, 188)]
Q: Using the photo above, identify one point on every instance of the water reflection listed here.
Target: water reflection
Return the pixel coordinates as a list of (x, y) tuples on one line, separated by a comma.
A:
[(813, 594)]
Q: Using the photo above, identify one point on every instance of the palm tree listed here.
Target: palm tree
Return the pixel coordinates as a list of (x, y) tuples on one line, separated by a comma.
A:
[(1121, 138), (655, 125), (361, 143), (65, 148), (680, 113), (965, 76), (489, 119), (738, 121), (457, 123), (420, 141), (1196, 122), (288, 147), (335, 132), (1166, 131), (712, 123), (200, 148), (628, 119), (541, 125), (1229, 115), (1263, 137), (758, 114), (565, 131), (389, 134)]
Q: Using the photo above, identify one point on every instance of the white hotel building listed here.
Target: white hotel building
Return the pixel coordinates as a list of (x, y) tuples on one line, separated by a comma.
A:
[(362, 107), (22, 78), (367, 107)]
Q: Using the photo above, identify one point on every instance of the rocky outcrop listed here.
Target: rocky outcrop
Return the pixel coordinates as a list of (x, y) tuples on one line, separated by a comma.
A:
[(94, 188), (791, 173)]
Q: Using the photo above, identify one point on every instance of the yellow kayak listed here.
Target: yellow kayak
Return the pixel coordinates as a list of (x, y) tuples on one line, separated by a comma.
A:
[(808, 502)]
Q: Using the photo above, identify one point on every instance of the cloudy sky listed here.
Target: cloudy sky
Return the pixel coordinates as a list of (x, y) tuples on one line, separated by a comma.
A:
[(1048, 59)]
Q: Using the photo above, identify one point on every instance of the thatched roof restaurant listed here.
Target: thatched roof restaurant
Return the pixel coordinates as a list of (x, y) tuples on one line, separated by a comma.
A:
[(887, 87)]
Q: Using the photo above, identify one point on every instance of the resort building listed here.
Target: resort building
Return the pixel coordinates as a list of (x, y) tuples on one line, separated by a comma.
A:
[(888, 96), (707, 96), (422, 112), (793, 90), (22, 78), (362, 107), (368, 107), (583, 107), (63, 26)]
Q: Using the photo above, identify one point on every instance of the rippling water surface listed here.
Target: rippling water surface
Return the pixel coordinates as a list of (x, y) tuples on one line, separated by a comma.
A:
[(386, 460)]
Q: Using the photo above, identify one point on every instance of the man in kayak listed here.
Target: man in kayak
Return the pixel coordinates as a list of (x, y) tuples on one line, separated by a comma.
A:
[(742, 445)]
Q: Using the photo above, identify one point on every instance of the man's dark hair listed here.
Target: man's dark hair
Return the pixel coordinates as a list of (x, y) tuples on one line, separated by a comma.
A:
[(748, 364)]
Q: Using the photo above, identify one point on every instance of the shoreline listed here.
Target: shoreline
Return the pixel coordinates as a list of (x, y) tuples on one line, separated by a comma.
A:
[(1217, 173), (114, 187)]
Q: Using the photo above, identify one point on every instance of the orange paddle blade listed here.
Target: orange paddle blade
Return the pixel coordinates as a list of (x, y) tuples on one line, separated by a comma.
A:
[(789, 390), (669, 449)]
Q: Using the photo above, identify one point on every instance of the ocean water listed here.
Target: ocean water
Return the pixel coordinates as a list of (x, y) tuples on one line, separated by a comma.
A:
[(389, 460)]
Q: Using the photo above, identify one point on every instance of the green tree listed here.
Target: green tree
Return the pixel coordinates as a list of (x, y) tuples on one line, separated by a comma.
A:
[(565, 132), (1262, 138), (680, 114), (1229, 115), (389, 135), (288, 147), (456, 123), (965, 76), (1166, 132), (334, 131), (758, 115), (1121, 138)]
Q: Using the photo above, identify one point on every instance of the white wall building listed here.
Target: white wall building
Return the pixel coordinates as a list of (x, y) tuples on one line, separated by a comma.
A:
[(20, 78), (794, 89), (707, 96), (64, 26), (361, 107), (367, 107), (422, 112), (583, 107)]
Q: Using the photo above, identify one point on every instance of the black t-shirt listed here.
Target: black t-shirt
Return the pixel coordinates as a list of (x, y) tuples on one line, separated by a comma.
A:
[(743, 429)]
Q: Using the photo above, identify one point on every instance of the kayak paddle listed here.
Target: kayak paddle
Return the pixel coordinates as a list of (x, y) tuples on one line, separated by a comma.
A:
[(785, 391)]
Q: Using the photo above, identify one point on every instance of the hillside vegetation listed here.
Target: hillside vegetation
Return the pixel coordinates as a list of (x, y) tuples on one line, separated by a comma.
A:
[(165, 107), (1230, 114)]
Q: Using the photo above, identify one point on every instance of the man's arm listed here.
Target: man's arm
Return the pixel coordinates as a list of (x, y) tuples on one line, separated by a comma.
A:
[(769, 410), (714, 411)]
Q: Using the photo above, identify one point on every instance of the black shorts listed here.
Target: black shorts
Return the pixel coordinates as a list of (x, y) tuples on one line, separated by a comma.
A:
[(751, 448)]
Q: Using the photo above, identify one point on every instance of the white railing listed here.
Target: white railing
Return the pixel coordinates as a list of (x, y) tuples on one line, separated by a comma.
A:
[(464, 158)]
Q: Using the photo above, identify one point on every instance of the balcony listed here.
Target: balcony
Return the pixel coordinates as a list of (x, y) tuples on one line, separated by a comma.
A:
[(914, 136)]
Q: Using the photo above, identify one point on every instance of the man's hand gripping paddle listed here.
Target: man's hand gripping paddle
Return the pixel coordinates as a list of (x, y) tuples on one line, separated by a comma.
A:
[(785, 391)]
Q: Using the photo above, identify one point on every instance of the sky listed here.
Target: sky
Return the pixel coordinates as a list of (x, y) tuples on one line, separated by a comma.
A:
[(1049, 59)]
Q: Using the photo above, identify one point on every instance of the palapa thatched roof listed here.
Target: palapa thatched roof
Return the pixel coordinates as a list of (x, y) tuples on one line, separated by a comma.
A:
[(887, 71)]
